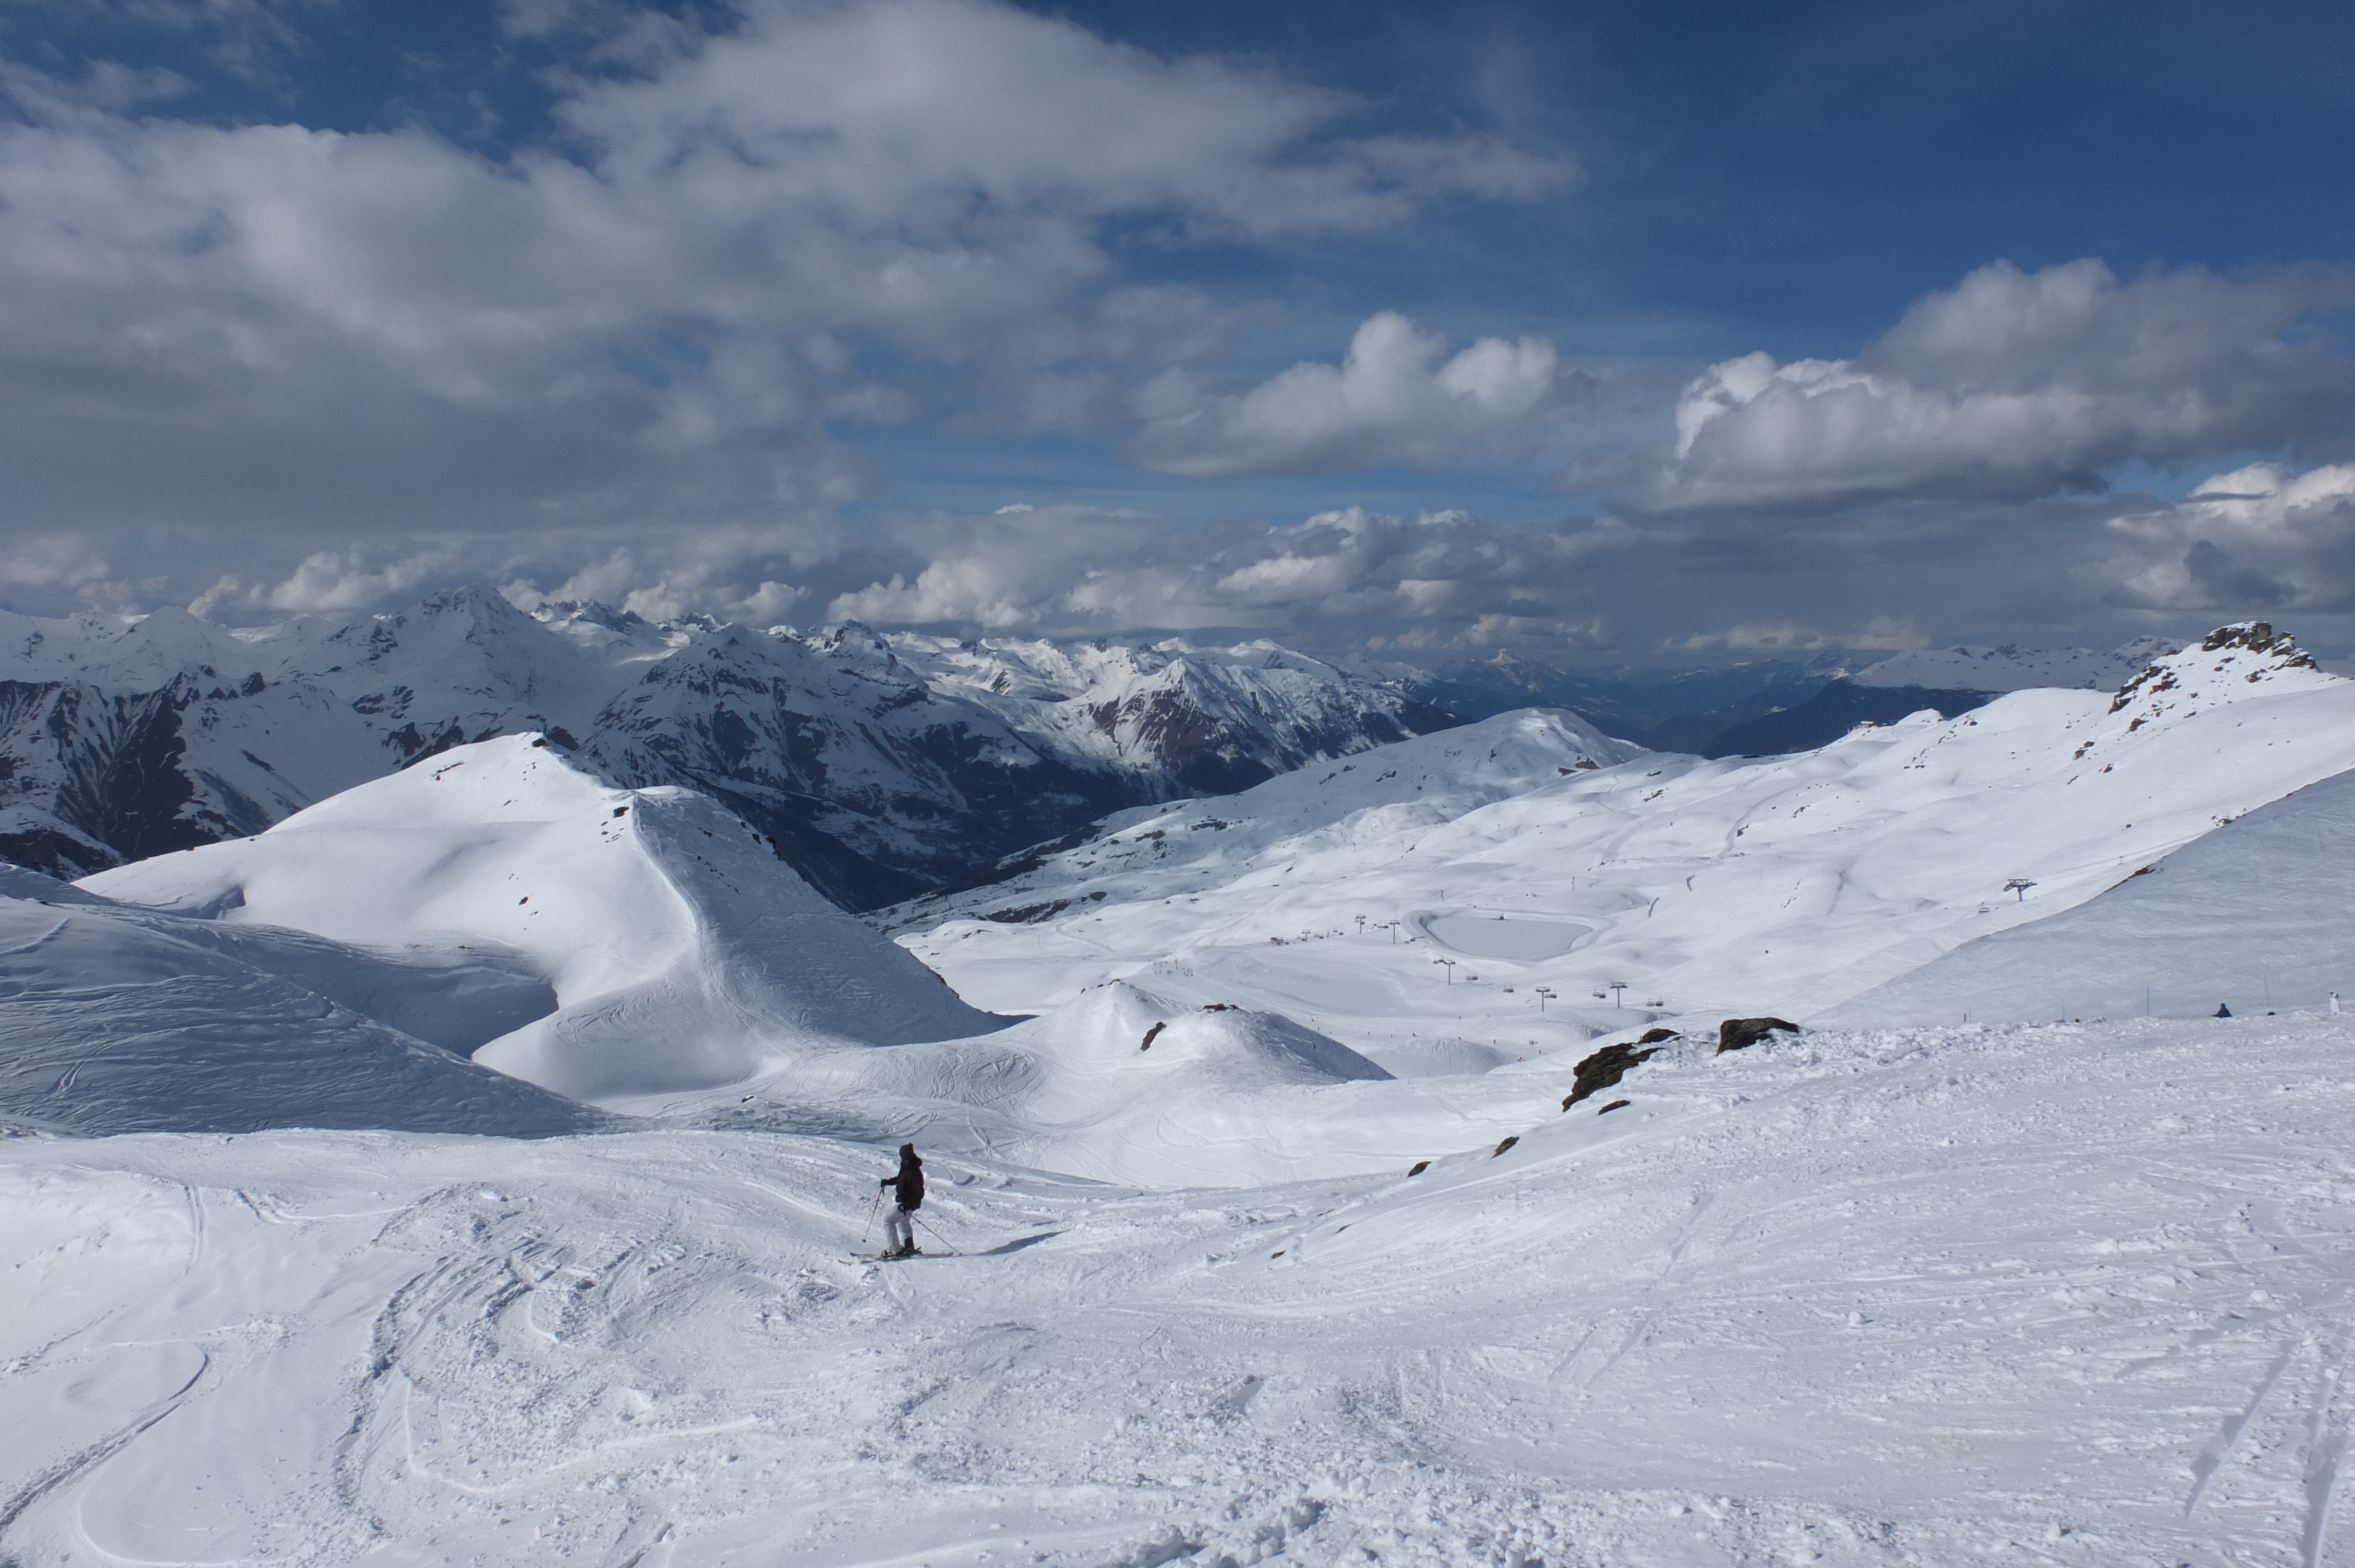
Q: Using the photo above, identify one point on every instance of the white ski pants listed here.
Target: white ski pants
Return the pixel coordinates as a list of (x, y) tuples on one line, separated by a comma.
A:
[(898, 1231)]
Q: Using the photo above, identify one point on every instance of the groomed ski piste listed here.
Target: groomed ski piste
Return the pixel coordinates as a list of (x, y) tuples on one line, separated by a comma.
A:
[(2053, 1286)]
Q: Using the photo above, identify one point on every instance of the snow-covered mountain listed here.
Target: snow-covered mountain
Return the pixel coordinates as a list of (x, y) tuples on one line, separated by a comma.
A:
[(878, 766), (1786, 886), (1272, 1238), (675, 951), (1184, 847)]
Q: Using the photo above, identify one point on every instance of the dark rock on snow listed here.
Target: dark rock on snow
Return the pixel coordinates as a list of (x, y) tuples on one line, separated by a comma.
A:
[(1741, 1033), (1607, 1067)]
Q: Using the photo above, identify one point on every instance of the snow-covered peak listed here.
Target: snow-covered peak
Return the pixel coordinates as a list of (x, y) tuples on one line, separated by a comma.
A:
[(683, 953), (2227, 666)]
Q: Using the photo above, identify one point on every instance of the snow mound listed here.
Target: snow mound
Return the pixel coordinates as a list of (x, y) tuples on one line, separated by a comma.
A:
[(680, 952), (126, 1020), (1122, 1084), (1136, 1087), (2255, 915)]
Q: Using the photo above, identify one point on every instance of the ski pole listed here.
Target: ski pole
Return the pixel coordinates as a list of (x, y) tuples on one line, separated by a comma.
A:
[(871, 1212), (933, 1233)]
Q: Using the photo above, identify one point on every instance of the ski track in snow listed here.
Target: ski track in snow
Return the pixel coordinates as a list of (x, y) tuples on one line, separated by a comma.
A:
[(2053, 1294)]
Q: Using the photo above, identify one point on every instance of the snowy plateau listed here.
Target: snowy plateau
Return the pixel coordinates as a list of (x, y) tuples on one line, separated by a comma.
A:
[(1332, 1154)]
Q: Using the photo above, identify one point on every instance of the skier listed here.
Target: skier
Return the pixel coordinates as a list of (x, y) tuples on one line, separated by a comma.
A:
[(2334, 1005), (899, 1230)]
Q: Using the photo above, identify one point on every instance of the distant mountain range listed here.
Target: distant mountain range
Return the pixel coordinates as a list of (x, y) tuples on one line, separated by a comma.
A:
[(882, 766), (1776, 705)]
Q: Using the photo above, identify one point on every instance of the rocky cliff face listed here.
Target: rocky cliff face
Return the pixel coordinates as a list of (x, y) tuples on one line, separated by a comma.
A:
[(881, 765)]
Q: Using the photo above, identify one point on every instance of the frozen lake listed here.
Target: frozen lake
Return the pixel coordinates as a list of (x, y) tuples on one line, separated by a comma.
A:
[(1515, 939)]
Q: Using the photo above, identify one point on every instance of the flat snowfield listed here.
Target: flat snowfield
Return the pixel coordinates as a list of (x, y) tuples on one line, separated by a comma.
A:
[(2039, 1295)]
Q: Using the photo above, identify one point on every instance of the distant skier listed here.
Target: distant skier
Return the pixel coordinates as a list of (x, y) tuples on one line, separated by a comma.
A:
[(2334, 1005), (2222, 1012), (899, 1230)]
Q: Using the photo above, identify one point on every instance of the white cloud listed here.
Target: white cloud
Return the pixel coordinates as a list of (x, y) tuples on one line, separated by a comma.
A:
[(865, 211), (2016, 384), (1074, 571), (1393, 401), (2259, 538)]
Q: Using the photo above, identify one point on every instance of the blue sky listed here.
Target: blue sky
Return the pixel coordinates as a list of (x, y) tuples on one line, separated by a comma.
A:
[(1627, 331)]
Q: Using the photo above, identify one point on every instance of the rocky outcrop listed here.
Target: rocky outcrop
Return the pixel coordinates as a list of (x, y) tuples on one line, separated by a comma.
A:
[(1741, 1033), (1607, 1066)]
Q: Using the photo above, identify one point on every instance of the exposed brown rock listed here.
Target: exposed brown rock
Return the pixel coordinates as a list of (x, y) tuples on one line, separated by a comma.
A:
[(1741, 1033), (1607, 1067)]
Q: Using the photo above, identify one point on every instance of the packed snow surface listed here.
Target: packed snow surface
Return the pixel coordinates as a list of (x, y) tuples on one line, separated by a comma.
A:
[(2032, 1293)]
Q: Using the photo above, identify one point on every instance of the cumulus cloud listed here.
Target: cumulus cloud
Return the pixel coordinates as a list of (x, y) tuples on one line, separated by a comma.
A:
[(2259, 538), (1395, 400), (2016, 385), (1341, 575), (826, 213)]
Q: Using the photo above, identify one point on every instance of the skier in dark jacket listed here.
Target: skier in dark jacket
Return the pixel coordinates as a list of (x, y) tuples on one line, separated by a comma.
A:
[(899, 1230)]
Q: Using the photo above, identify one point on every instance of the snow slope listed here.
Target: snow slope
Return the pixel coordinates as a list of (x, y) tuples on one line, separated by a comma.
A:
[(122, 1020), (2257, 914), (680, 952), (2037, 1295), (1180, 848), (1900, 1295), (1709, 888)]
